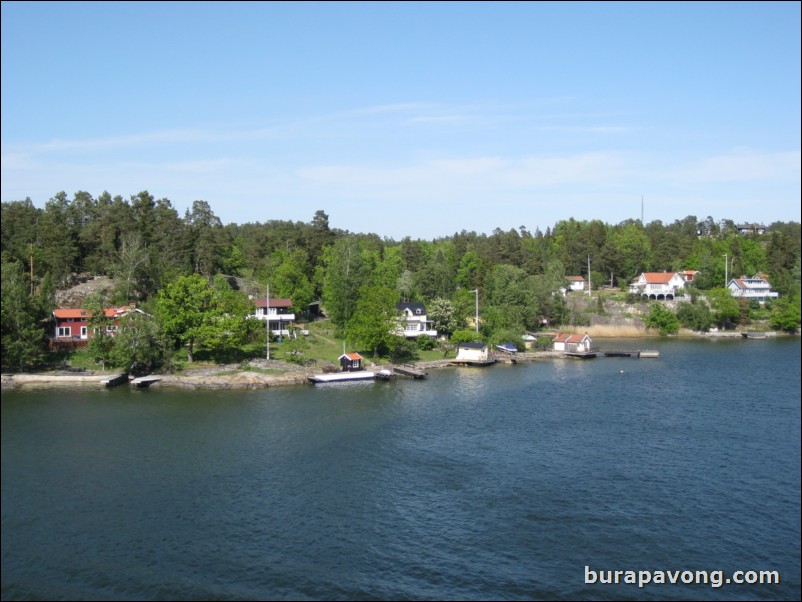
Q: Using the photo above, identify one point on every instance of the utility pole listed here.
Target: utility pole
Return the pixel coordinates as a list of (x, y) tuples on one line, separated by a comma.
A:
[(477, 308), (267, 318), (590, 294), (725, 271)]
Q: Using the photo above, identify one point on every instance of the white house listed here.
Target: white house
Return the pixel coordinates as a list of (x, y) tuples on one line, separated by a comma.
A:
[(744, 229), (658, 285), (575, 283), (414, 322), (752, 288), (277, 311), (572, 343)]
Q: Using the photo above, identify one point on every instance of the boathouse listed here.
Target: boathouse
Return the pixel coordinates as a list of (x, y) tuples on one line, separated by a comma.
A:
[(572, 343), (472, 352), (350, 362)]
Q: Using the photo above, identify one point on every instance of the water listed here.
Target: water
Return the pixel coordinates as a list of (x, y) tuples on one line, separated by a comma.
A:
[(476, 483)]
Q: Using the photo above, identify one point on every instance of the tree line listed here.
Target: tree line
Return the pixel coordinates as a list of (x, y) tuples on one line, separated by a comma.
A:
[(150, 249)]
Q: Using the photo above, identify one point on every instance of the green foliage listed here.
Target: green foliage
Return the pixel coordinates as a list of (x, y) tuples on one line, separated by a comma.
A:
[(465, 336), (138, 347), (662, 319), (786, 314), (295, 349), (403, 350), (375, 320), (22, 331), (726, 311), (695, 316), (425, 343), (100, 325), (146, 246), (195, 313), (344, 272), (443, 316)]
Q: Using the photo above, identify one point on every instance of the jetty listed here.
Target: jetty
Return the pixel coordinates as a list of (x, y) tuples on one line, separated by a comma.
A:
[(641, 353), (145, 381), (410, 370), (469, 362), (115, 379)]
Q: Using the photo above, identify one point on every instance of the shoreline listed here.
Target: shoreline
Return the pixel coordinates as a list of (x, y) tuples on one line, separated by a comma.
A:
[(232, 376)]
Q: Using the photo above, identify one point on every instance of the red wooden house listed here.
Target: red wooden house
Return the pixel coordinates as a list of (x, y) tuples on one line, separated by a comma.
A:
[(72, 325)]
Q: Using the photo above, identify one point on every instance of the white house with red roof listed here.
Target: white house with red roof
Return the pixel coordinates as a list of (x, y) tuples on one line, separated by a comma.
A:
[(572, 343), (277, 312), (658, 285), (752, 288), (575, 283)]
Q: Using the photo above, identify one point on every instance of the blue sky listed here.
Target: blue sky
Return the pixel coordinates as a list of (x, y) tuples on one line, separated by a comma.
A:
[(409, 119)]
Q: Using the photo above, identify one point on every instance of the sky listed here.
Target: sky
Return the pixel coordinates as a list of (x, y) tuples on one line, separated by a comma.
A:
[(409, 119)]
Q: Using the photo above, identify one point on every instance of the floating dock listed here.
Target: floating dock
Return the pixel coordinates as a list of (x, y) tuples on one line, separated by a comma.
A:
[(339, 377), (635, 353)]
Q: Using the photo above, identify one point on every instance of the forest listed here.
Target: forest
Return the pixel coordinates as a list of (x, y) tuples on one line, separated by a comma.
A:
[(191, 274)]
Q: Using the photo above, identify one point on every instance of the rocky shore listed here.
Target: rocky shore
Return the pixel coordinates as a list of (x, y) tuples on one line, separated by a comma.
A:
[(257, 374)]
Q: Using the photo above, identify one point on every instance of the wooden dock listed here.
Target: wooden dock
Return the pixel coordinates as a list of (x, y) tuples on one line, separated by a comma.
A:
[(145, 381), (113, 381), (476, 363), (411, 371), (634, 353)]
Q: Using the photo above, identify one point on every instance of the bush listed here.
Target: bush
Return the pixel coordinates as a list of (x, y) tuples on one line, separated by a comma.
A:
[(661, 318), (426, 343)]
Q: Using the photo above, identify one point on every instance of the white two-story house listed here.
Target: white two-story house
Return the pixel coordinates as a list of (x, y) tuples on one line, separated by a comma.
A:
[(752, 288), (413, 322), (277, 311), (658, 285)]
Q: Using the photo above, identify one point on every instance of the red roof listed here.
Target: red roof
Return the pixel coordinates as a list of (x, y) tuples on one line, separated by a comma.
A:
[(658, 277), (110, 312), (352, 356), (70, 313), (273, 302), (575, 278), (569, 338)]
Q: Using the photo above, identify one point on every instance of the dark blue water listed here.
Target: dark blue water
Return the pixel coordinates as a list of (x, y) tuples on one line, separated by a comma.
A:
[(476, 483)]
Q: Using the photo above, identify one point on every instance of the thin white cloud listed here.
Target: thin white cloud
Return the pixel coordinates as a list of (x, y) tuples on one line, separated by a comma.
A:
[(745, 165)]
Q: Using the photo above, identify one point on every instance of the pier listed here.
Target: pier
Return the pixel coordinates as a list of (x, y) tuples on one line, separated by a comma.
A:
[(145, 381), (640, 353), (409, 370), (117, 379)]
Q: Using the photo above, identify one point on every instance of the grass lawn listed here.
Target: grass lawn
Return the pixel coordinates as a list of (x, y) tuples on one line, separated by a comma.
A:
[(323, 347)]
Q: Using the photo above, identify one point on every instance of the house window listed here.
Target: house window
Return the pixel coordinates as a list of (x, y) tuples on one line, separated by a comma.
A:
[(64, 331), (83, 332)]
